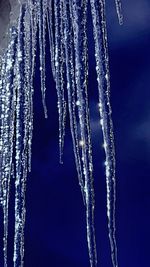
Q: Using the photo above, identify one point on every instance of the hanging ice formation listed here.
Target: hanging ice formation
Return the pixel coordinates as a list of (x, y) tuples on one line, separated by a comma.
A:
[(66, 21)]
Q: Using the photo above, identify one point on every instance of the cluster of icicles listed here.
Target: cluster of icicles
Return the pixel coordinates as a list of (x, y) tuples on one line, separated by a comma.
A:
[(66, 22)]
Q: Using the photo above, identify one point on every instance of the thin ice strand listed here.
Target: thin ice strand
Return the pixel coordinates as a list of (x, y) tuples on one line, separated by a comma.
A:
[(59, 69), (102, 68), (20, 168), (79, 16), (42, 32), (71, 91), (50, 22), (119, 11)]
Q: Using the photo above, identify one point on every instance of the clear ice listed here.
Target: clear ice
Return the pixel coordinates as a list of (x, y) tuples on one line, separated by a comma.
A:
[(66, 23)]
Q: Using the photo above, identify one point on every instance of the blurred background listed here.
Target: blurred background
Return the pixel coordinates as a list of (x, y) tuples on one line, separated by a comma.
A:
[(55, 232)]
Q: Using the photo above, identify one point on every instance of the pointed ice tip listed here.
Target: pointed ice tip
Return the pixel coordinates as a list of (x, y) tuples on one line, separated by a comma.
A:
[(120, 18), (61, 156), (61, 162), (45, 111), (119, 11)]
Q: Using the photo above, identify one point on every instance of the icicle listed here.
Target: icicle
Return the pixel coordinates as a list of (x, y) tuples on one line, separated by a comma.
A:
[(79, 16), (67, 27), (29, 46), (2, 110), (71, 90), (119, 11), (20, 147), (7, 131), (102, 68), (42, 32), (33, 7), (59, 72), (50, 22)]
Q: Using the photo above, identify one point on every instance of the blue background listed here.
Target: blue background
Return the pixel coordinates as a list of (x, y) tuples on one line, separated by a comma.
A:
[(55, 233)]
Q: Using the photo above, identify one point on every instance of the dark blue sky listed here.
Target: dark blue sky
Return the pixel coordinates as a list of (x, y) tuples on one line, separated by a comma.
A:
[(55, 233)]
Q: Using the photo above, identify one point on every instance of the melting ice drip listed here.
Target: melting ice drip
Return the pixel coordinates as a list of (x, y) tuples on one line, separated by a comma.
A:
[(66, 21)]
